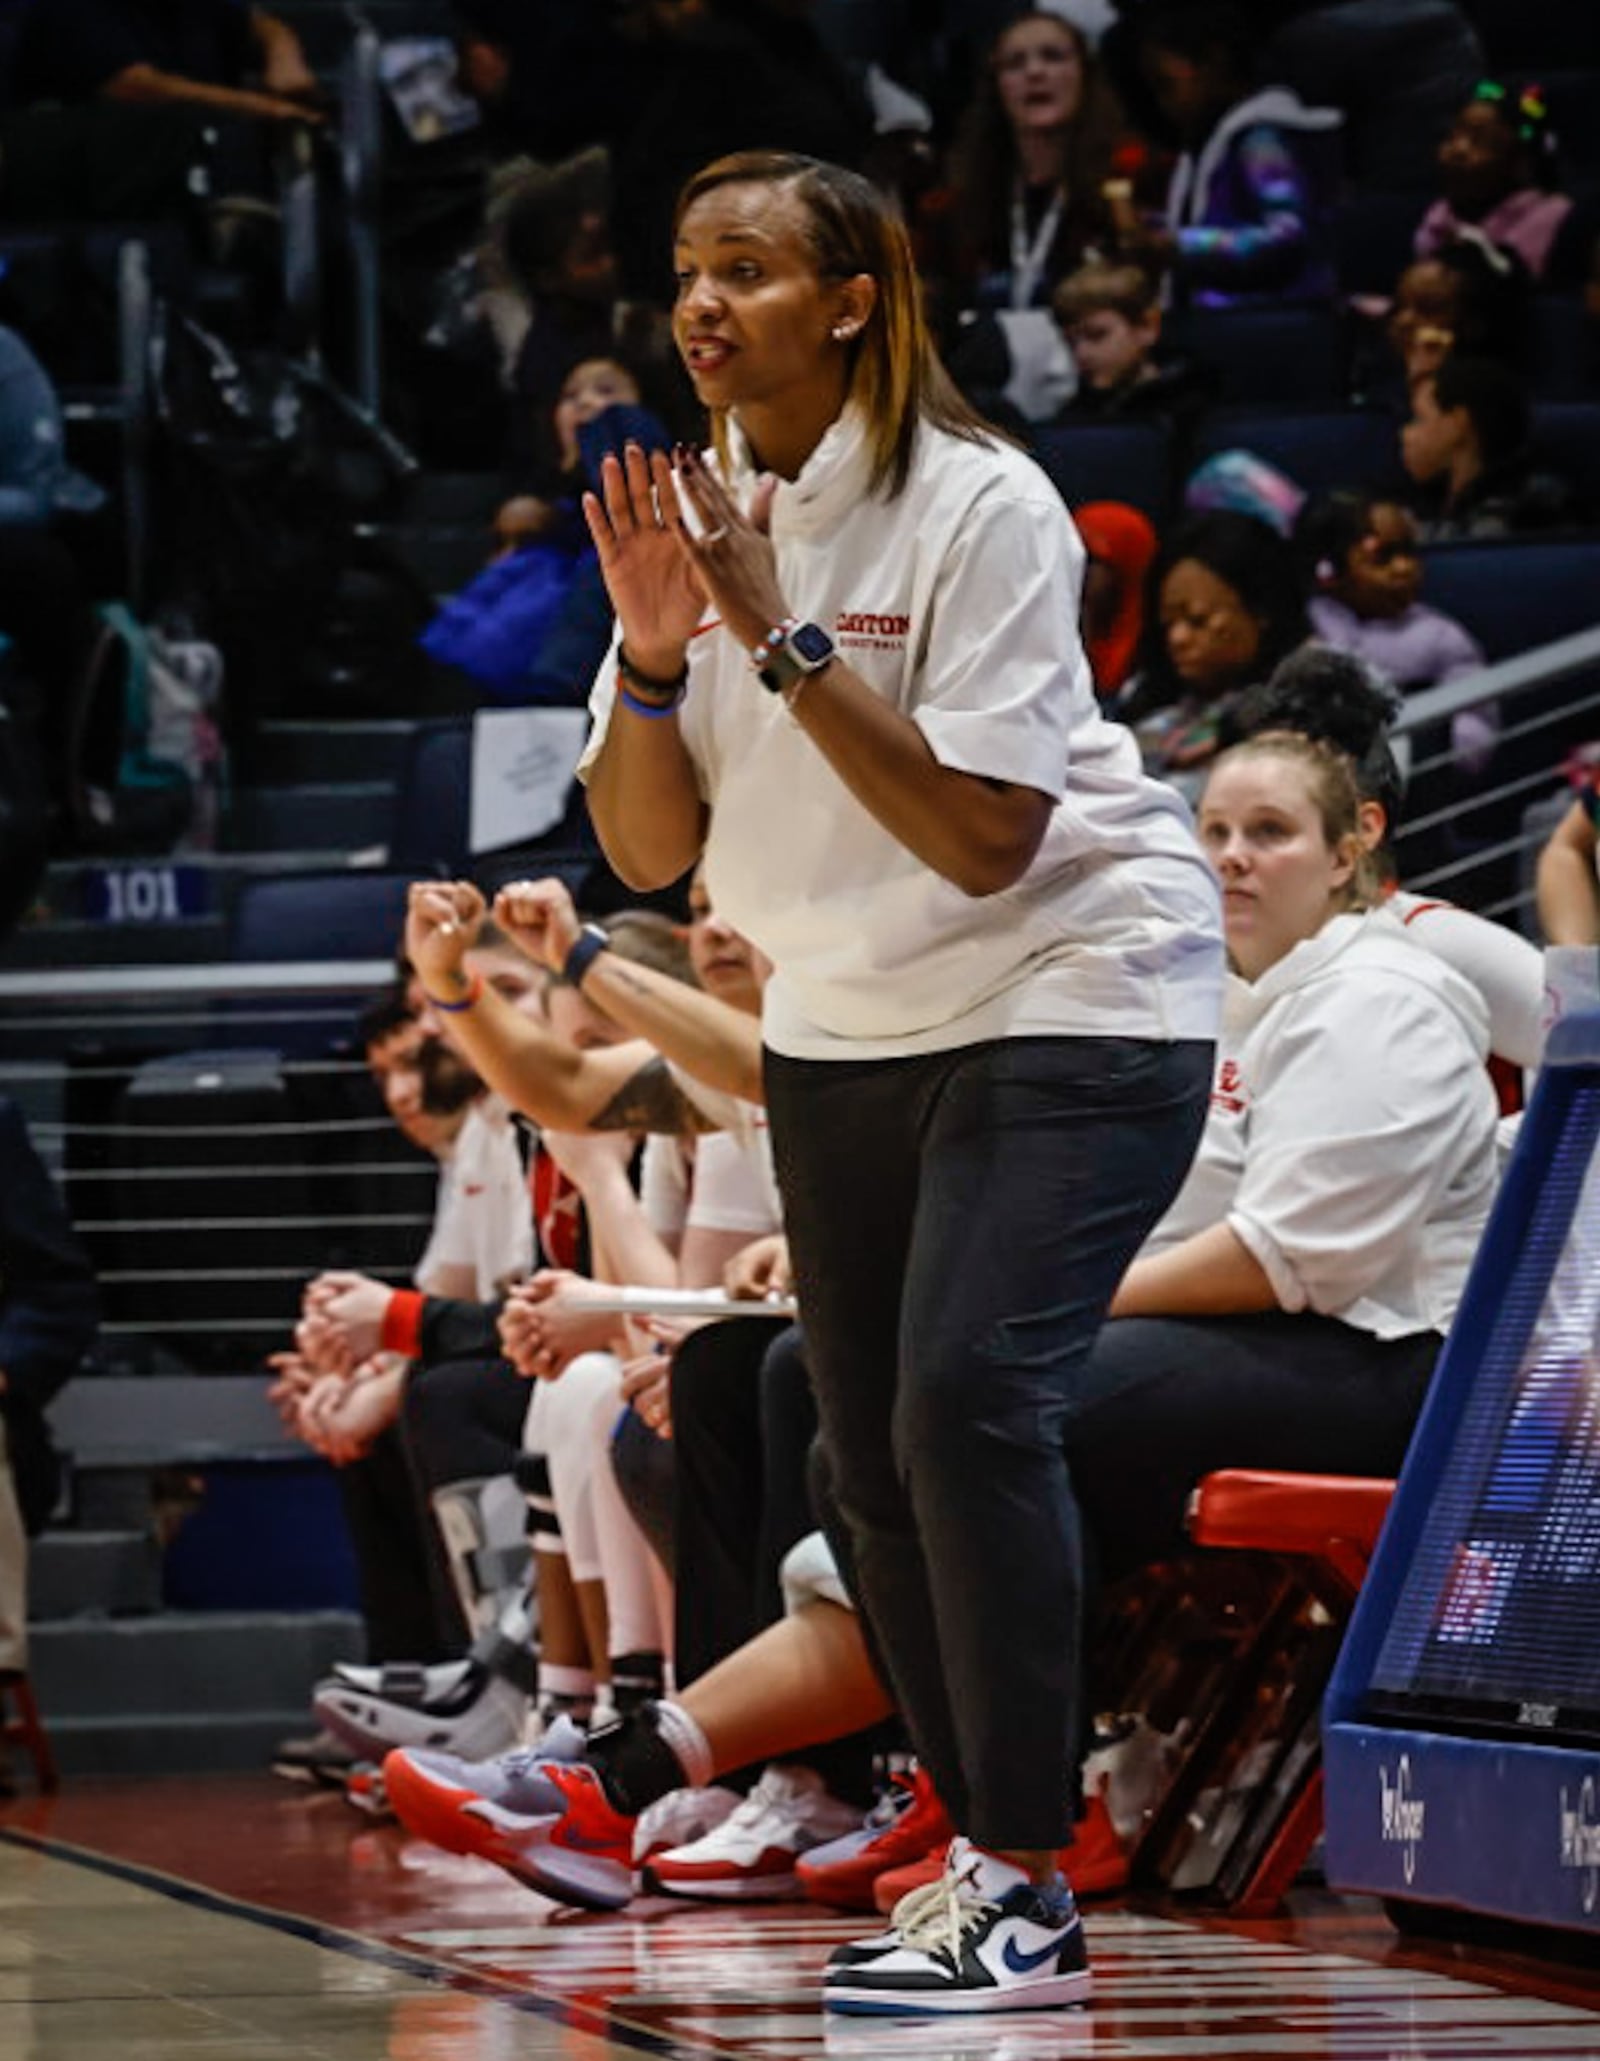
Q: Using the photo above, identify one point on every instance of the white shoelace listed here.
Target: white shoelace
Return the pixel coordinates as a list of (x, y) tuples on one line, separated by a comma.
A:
[(939, 1915)]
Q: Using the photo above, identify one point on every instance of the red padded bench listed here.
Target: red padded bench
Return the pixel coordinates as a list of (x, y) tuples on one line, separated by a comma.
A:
[(1330, 1524)]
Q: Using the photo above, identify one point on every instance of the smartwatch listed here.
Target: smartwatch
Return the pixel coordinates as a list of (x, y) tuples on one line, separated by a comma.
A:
[(806, 649), (587, 946)]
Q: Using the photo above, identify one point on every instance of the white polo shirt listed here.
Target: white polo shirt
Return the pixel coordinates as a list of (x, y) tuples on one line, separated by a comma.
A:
[(957, 601), (1350, 1143)]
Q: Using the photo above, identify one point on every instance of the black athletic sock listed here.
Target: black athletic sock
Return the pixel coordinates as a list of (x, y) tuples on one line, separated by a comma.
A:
[(634, 1763), (636, 1678)]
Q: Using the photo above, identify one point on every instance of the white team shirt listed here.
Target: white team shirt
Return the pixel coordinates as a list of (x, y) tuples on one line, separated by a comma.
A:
[(483, 1218), (1350, 1143), (1505, 969), (710, 1183), (958, 603)]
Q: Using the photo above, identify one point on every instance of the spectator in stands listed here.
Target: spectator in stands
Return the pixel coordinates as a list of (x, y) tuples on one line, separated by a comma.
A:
[(1022, 209), (1497, 177), (1363, 564), (533, 625), (1466, 449), (1397, 68), (1248, 216), (1121, 544), (1469, 296), (1224, 608), (1033, 150), (190, 53), (1110, 314), (49, 1311)]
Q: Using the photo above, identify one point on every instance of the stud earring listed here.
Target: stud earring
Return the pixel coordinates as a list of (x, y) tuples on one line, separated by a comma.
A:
[(842, 332)]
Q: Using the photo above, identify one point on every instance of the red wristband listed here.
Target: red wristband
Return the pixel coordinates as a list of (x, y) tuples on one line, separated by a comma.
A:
[(402, 1323)]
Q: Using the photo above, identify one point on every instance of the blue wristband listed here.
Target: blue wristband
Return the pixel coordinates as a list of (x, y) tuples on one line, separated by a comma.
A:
[(653, 709), (587, 946)]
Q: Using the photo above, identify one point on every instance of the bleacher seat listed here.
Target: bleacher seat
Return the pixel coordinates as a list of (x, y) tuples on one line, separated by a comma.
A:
[(431, 812), (1374, 232), (1526, 35), (1109, 462), (319, 916), (1566, 437), (1319, 450), (1563, 349), (1515, 593), (1264, 356)]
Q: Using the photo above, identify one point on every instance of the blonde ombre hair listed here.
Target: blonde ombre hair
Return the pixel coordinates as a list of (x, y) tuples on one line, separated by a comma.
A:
[(896, 379), (1331, 783)]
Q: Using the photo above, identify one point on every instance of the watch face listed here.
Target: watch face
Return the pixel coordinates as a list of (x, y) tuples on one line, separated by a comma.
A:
[(813, 644)]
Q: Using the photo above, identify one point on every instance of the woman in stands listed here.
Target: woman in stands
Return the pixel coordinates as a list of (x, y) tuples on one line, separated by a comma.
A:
[(1224, 607), (1033, 151), (848, 672)]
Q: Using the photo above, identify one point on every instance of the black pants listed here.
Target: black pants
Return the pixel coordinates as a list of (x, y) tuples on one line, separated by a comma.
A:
[(1165, 1401), (406, 1614), (463, 1420), (742, 1424), (958, 1223)]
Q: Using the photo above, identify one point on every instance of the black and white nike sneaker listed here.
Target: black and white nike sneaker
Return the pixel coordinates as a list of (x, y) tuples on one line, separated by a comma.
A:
[(981, 1938)]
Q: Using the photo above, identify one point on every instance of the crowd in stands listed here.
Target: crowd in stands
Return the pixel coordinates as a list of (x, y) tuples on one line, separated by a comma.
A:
[(600, 1574)]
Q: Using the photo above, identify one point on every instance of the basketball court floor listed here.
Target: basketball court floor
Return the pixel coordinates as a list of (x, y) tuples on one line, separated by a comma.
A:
[(241, 1919)]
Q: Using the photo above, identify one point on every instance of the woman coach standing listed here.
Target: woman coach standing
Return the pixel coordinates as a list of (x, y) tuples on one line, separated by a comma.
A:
[(848, 673)]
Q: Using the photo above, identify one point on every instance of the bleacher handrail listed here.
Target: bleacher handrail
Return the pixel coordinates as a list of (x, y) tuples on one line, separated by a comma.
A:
[(189, 983), (1543, 666)]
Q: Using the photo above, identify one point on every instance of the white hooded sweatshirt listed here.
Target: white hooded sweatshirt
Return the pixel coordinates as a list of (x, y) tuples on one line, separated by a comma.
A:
[(1350, 1144)]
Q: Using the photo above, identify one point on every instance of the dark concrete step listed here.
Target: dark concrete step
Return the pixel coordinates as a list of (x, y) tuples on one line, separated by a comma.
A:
[(185, 1667), (75, 1574)]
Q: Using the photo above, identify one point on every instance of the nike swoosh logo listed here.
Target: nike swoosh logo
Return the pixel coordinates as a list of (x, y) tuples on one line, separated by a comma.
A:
[(1020, 1963)]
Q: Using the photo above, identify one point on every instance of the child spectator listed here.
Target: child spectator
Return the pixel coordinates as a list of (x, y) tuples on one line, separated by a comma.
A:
[(1248, 208), (1470, 296), (1364, 562), (1121, 544), (1496, 175), (1466, 448), (531, 627), (1223, 608), (1110, 314)]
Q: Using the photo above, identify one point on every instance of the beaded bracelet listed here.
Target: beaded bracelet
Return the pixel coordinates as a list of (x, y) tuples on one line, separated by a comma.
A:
[(762, 652), (474, 994)]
